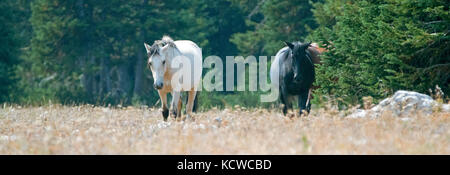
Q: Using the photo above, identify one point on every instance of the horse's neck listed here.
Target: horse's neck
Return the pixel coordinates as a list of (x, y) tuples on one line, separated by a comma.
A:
[(289, 56), (307, 64), (308, 58), (172, 53)]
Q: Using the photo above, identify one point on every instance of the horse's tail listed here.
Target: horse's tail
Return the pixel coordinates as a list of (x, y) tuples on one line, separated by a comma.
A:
[(195, 107)]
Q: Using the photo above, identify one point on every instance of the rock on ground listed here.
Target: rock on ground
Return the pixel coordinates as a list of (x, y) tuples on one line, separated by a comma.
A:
[(403, 104)]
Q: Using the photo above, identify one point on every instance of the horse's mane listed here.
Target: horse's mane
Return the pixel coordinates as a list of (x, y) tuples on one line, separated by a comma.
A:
[(166, 39), (161, 43)]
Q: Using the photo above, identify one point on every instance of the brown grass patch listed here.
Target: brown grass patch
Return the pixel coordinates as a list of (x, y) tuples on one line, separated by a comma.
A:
[(59, 129)]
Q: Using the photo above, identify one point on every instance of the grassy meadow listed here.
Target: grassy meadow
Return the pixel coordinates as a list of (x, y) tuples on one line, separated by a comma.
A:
[(56, 129)]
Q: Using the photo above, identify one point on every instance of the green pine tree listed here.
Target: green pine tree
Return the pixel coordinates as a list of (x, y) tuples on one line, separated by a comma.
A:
[(378, 47), (277, 21), (9, 47)]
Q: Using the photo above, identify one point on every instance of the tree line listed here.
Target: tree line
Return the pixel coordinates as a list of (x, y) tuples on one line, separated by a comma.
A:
[(81, 51)]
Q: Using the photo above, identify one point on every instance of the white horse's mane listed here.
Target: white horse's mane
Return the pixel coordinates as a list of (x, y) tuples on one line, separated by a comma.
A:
[(166, 39)]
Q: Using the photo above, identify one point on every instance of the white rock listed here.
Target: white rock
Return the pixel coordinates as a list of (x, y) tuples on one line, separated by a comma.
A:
[(358, 114), (402, 104), (446, 107)]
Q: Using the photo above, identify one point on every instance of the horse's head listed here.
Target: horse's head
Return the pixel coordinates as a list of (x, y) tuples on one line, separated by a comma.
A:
[(159, 55), (299, 59)]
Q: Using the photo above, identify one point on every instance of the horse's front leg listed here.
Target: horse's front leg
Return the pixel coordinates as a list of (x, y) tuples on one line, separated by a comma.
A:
[(303, 98), (285, 100), (165, 110), (176, 104), (190, 103)]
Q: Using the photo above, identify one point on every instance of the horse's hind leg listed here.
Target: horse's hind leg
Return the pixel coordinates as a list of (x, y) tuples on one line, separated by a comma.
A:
[(283, 101), (195, 107), (179, 106), (190, 103), (176, 104)]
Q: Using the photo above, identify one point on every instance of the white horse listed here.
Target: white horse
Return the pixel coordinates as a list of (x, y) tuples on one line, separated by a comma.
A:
[(164, 58)]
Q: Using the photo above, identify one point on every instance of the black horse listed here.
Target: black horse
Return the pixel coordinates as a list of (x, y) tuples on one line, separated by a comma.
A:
[(294, 67)]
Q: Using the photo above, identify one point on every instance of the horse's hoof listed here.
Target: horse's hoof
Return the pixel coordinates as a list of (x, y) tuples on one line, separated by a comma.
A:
[(188, 118), (174, 114), (290, 115), (303, 113), (165, 114)]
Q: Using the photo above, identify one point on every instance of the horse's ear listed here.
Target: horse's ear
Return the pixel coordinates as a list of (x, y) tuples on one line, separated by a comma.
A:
[(147, 47), (308, 45), (290, 45), (164, 48)]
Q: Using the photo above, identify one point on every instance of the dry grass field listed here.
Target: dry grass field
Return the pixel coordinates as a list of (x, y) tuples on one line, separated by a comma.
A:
[(56, 129)]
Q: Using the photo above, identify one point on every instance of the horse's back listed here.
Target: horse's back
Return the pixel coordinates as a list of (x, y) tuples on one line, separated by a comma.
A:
[(194, 53), (186, 46), (315, 52), (275, 67)]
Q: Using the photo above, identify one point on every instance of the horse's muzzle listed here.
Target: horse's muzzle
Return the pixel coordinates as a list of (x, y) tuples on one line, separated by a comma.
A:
[(158, 85)]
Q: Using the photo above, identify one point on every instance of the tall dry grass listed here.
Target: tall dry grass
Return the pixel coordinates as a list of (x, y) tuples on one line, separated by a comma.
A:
[(56, 129)]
